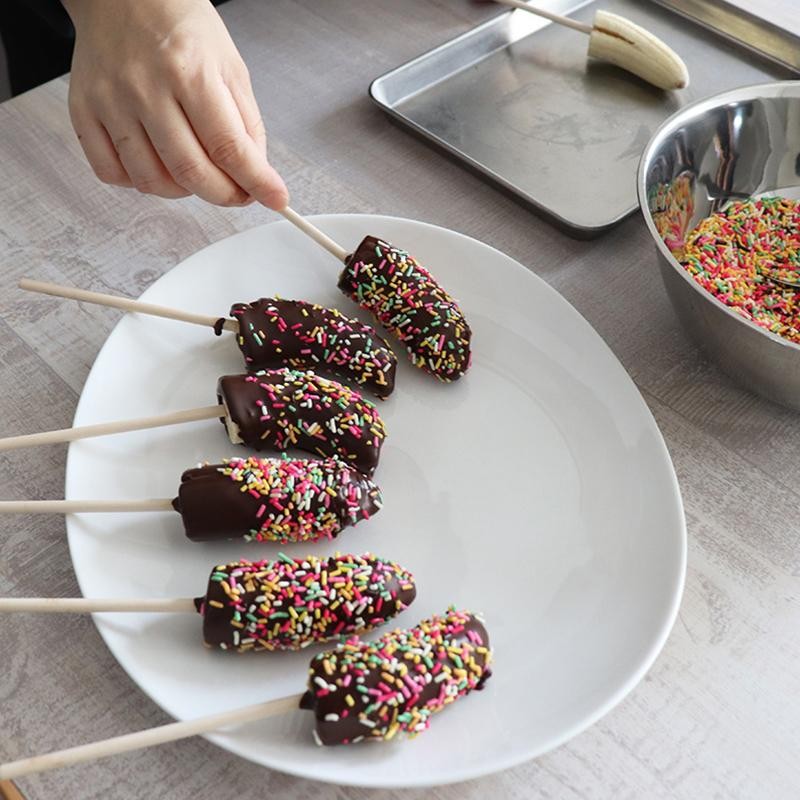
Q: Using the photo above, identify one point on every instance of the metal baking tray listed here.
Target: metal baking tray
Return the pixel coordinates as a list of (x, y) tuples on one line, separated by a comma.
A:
[(516, 100)]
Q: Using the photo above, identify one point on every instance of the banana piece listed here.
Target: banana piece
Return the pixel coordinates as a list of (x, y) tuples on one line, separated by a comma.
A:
[(629, 46)]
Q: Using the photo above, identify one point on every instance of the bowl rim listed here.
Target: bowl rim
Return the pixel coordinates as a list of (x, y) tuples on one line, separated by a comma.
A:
[(690, 112)]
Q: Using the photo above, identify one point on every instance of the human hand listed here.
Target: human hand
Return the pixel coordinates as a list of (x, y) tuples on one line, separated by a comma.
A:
[(161, 100)]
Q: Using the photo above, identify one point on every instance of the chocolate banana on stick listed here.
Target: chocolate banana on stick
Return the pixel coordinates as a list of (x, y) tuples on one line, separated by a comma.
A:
[(358, 691), (255, 499), (274, 332), (375, 690), (285, 604), (277, 409), (407, 300), (274, 500), (282, 409)]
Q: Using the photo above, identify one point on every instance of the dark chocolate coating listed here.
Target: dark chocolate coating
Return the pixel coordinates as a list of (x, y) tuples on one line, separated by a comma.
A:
[(274, 332), (409, 302), (214, 506), (239, 618), (338, 722), (283, 408)]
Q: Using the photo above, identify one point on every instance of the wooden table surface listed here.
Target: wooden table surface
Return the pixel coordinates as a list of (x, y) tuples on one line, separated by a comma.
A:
[(718, 714)]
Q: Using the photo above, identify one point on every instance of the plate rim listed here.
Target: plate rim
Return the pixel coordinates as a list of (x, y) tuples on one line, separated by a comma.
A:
[(498, 765)]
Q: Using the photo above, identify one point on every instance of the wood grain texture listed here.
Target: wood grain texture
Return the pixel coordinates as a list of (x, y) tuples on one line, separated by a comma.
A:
[(717, 716)]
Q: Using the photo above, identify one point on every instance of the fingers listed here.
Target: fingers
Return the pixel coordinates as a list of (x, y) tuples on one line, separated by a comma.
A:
[(185, 159), (242, 92), (210, 142), (124, 157), (99, 150), (220, 127), (142, 163)]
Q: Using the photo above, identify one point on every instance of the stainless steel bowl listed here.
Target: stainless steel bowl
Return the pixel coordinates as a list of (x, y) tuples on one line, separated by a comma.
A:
[(734, 145)]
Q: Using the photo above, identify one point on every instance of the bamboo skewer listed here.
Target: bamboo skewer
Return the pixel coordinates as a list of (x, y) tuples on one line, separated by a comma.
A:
[(151, 309), (621, 42), (82, 506), (89, 605), (124, 303), (137, 306), (541, 12), (107, 428), (147, 738), (313, 232)]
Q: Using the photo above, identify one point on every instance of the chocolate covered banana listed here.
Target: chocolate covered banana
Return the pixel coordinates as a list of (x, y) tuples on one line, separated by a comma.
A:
[(374, 690), (283, 409), (360, 691), (409, 302), (255, 499), (288, 604), (273, 332), (274, 499), (284, 604)]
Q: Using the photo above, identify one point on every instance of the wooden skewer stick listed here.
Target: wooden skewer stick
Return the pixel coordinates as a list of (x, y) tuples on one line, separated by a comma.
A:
[(147, 738), (89, 605), (124, 304), (619, 41), (107, 428), (82, 506), (557, 18), (313, 232)]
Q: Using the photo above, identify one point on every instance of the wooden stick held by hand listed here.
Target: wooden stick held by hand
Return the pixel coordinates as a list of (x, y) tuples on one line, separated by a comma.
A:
[(313, 232), (107, 428), (148, 738)]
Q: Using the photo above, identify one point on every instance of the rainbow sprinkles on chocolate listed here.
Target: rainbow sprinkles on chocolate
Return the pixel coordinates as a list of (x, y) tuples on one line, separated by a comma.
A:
[(274, 332), (408, 301), (375, 690), (274, 499), (288, 604), (281, 409)]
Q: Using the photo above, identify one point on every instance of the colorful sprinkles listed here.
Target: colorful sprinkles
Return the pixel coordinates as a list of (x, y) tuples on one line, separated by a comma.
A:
[(275, 332), (737, 253), (286, 408), (374, 690), (302, 500), (409, 302), (288, 604)]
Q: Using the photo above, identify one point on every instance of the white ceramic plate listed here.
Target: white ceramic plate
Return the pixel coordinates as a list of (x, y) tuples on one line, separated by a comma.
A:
[(537, 490)]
